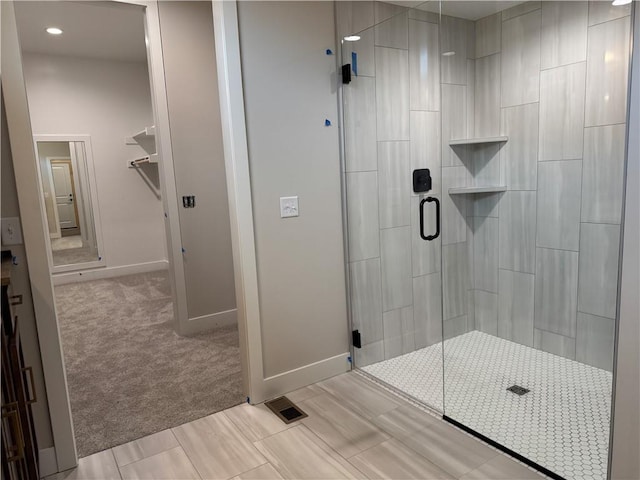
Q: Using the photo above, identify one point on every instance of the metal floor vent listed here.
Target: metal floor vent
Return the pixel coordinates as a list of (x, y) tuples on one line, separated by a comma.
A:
[(518, 390), (285, 409)]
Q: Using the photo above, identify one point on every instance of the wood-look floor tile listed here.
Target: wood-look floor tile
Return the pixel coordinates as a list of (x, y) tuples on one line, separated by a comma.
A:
[(217, 448), (360, 395), (169, 465), (343, 430), (99, 466), (298, 453), (263, 472), (449, 448), (394, 460), (304, 393), (145, 447), (404, 420), (255, 421), (502, 467)]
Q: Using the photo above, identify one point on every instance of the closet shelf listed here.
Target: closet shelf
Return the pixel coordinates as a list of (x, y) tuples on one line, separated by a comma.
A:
[(148, 133), (152, 159), (477, 141), (465, 190)]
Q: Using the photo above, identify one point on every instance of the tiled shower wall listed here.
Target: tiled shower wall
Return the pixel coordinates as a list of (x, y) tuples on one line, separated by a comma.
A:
[(553, 76), (536, 264), (393, 125)]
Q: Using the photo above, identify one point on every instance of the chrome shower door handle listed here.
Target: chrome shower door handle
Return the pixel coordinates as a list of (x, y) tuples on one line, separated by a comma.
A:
[(437, 234)]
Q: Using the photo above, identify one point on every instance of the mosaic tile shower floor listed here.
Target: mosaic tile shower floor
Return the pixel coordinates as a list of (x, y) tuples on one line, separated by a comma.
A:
[(561, 424)]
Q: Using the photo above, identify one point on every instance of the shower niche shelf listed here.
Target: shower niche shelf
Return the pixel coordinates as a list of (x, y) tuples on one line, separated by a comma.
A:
[(140, 138), (477, 141), (466, 190)]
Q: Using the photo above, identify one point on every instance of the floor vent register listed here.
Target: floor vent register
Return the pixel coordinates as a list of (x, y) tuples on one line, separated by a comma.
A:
[(285, 409)]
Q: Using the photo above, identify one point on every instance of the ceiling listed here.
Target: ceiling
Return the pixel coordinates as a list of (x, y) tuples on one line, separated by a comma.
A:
[(105, 30), (468, 9)]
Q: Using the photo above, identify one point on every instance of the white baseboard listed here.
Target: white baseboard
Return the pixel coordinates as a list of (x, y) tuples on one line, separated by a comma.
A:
[(108, 272), (48, 464), (207, 322), (301, 377)]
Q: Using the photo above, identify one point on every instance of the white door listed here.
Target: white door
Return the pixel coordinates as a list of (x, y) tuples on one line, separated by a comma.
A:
[(65, 197)]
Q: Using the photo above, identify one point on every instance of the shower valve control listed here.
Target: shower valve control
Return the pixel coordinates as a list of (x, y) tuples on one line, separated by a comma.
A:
[(421, 180), (189, 201)]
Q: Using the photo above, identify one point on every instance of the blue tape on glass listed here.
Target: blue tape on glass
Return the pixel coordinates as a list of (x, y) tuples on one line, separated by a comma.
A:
[(329, 52), (327, 123), (354, 63)]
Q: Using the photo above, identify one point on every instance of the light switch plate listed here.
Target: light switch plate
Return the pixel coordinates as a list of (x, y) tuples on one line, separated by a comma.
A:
[(289, 207), (11, 231)]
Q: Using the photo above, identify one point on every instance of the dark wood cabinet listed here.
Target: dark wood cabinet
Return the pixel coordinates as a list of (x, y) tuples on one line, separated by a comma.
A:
[(19, 446)]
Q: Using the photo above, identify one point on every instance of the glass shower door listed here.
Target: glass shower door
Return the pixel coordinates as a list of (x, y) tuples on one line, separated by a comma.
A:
[(391, 100), (532, 172)]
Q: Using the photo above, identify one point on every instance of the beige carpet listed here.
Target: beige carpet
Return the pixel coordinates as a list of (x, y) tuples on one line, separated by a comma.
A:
[(129, 373)]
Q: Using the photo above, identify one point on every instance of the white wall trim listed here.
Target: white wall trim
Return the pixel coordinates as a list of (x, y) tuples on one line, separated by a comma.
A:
[(236, 157), (207, 322), (108, 272), (48, 464), (298, 378)]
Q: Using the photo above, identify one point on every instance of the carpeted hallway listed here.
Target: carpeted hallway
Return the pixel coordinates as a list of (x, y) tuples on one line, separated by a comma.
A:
[(129, 374)]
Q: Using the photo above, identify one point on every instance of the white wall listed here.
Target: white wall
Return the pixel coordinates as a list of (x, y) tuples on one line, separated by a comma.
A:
[(289, 88), (196, 141), (108, 100)]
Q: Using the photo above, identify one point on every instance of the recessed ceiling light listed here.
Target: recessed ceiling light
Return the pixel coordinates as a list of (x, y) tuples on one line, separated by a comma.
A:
[(54, 30), (352, 38), (621, 2), (448, 54)]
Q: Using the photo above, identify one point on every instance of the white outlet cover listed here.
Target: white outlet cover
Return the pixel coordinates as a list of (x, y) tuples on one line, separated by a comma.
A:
[(289, 207), (11, 231)]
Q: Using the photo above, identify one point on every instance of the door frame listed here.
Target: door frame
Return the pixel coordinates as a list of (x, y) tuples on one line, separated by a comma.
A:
[(93, 188), (33, 218), (67, 161), (57, 233)]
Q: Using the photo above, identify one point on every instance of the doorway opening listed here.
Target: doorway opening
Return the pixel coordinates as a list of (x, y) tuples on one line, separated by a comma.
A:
[(136, 362)]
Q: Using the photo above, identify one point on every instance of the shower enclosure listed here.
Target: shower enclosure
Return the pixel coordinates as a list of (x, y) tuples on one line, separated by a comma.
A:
[(484, 149)]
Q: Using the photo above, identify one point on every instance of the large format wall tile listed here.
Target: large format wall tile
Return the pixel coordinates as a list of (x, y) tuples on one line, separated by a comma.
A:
[(454, 207), (607, 73), (360, 124), (515, 306), (562, 98), (394, 184), (564, 33), (453, 37), (362, 212), (454, 327), (559, 204), (470, 96), (598, 280), (424, 66), (426, 145), (521, 59), (604, 11), (455, 278), (485, 254), (484, 163), (365, 55), (425, 254), (366, 299), (519, 155), (391, 25), (556, 291), (603, 173), (427, 309), (454, 122), (518, 231), (521, 9), (595, 340), (397, 285), (488, 35), (392, 94), (354, 17), (554, 343), (398, 332), (487, 96), (486, 312)]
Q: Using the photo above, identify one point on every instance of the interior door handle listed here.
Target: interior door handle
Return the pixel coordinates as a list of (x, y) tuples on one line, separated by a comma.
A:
[(437, 234)]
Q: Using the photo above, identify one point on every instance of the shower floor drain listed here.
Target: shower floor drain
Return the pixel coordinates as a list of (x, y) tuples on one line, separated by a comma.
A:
[(285, 409), (518, 390)]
